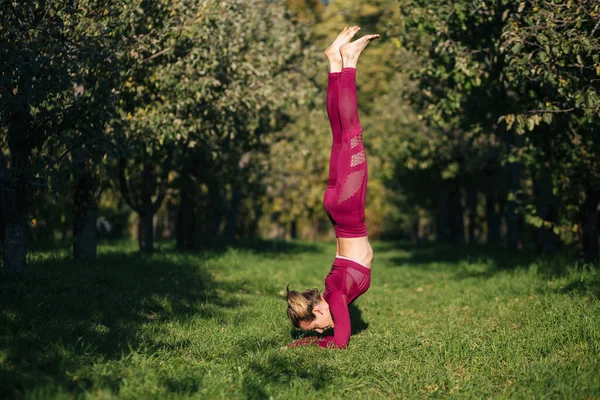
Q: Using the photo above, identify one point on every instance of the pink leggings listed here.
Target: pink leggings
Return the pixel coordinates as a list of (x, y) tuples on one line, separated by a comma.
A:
[(344, 198)]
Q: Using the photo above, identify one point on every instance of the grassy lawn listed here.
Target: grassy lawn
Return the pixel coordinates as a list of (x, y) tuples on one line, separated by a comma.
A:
[(437, 322)]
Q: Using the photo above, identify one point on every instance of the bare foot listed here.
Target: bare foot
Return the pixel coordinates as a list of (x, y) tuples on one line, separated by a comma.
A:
[(351, 51), (333, 52)]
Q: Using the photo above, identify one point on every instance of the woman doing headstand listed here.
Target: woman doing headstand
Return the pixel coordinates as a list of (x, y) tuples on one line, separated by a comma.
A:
[(344, 202)]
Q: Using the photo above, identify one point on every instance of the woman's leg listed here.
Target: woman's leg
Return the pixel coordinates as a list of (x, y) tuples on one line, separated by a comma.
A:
[(348, 209), (351, 185), (333, 94)]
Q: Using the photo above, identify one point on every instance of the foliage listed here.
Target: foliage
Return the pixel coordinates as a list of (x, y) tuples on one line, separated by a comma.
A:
[(219, 79), (553, 74), (55, 97), (473, 111), (297, 176), (197, 86), (57, 74), (492, 104)]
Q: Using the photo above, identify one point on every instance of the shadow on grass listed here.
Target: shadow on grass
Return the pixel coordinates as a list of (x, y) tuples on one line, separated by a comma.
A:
[(62, 314), (281, 370), (496, 259), (264, 247), (587, 284), (427, 255), (184, 386), (277, 247), (357, 324)]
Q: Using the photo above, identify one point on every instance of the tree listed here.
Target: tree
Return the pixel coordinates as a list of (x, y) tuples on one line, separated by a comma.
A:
[(94, 72), (523, 75), (209, 80), (36, 88), (553, 74)]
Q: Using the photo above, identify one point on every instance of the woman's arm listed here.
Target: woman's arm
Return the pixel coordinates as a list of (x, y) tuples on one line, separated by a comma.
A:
[(342, 327), (341, 319)]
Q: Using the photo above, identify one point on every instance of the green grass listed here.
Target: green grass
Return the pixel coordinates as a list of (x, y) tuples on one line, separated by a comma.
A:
[(437, 322)]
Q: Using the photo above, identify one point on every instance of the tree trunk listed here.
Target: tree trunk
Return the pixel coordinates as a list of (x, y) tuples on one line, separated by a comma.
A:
[(2, 227), (84, 207), (214, 214), (294, 229), (180, 229), (3, 195), (414, 227), (185, 216), (146, 232), (253, 227), (143, 204), (232, 215), (315, 227), (190, 236), (86, 238), (472, 200), (442, 228), (146, 211), (456, 213), (15, 245), (589, 216), (493, 217), (514, 220), (15, 201), (546, 240)]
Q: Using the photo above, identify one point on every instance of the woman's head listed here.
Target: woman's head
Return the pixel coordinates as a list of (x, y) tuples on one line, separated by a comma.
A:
[(308, 310)]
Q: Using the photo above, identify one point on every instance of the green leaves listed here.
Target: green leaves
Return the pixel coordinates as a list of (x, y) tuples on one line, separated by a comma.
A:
[(536, 221), (524, 73)]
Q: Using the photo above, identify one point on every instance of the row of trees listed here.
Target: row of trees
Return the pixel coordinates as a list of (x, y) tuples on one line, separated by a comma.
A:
[(146, 96), (509, 92), (479, 118)]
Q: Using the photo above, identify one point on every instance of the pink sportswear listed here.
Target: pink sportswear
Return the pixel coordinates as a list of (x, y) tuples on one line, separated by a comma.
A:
[(344, 201), (344, 198)]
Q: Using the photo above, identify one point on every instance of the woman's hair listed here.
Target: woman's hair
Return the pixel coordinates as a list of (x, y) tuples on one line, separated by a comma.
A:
[(300, 305)]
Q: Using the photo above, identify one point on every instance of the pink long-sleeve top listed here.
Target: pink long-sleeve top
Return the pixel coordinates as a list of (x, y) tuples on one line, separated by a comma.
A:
[(345, 282)]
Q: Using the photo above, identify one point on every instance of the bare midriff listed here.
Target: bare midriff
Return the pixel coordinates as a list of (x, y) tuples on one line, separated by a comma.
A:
[(357, 249)]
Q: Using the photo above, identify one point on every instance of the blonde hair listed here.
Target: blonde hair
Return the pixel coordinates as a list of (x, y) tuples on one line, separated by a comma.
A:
[(300, 305)]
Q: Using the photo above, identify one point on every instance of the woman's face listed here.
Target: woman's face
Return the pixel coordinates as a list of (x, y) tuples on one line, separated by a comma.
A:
[(322, 321)]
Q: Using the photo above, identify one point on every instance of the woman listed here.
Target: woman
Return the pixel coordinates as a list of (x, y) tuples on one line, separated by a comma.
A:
[(344, 202)]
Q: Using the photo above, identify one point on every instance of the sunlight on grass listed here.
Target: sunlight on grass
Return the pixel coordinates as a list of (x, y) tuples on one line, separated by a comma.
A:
[(436, 321)]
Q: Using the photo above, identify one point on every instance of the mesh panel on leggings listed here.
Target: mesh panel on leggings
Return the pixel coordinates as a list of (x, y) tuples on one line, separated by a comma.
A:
[(355, 281), (355, 141), (358, 158), (352, 185), (349, 282)]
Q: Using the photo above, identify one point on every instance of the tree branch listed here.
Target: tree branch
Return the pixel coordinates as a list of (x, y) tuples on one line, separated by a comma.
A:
[(153, 56), (124, 187), (550, 111), (595, 27), (162, 188)]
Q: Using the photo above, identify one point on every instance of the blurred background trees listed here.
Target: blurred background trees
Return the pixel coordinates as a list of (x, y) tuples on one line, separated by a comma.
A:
[(203, 121)]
